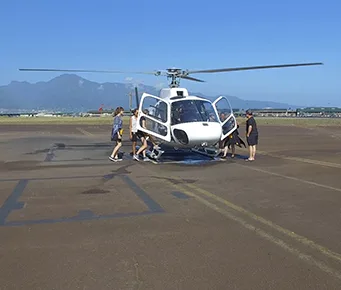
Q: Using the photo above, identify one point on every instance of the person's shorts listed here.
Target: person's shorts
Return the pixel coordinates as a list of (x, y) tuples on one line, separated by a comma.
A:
[(115, 138), (141, 134), (134, 137), (252, 140)]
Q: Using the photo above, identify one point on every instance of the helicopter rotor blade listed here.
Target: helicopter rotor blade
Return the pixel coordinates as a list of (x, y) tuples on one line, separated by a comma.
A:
[(81, 70), (252, 67), (192, 79)]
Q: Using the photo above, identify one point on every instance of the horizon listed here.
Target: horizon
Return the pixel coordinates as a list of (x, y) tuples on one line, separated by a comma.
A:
[(239, 34), (138, 85), (285, 106)]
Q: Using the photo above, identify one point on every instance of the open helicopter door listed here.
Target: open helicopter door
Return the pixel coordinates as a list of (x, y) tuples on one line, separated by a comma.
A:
[(225, 116), (156, 112)]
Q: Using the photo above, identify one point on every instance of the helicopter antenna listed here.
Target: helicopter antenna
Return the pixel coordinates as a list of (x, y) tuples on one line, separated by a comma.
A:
[(174, 75)]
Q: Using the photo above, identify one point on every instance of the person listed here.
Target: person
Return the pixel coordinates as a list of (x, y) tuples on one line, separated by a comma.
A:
[(251, 135), (232, 141), (144, 137), (222, 144), (228, 142), (116, 133), (133, 129)]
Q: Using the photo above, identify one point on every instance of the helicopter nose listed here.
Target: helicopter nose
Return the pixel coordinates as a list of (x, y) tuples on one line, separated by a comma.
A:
[(197, 133)]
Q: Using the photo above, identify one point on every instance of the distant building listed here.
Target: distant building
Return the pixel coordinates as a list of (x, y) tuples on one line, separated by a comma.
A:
[(329, 112), (270, 112)]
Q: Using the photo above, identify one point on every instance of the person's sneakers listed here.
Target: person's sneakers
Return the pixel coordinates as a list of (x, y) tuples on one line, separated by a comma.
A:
[(112, 159), (115, 159), (136, 157), (146, 159)]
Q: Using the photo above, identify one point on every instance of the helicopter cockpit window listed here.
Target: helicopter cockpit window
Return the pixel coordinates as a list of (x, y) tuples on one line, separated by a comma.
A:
[(192, 111)]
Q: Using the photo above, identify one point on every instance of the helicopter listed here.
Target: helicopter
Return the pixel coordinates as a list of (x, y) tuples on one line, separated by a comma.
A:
[(179, 120)]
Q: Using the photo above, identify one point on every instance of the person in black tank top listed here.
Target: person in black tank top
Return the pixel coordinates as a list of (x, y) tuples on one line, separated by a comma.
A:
[(251, 135)]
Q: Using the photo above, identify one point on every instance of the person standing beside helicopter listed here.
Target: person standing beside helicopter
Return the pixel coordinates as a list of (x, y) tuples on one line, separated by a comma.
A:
[(116, 133), (251, 135)]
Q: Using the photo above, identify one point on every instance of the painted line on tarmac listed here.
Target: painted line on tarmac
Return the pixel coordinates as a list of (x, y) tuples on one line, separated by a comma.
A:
[(304, 160), (84, 132), (322, 266), (12, 202), (291, 234), (291, 178), (151, 203)]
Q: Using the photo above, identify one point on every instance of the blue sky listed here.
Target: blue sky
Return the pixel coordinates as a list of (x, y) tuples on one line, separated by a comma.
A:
[(148, 35)]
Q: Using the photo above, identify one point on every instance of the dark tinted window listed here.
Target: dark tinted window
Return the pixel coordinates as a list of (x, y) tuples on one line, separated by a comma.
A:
[(192, 111)]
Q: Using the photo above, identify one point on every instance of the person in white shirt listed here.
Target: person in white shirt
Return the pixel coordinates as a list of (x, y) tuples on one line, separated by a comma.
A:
[(133, 129)]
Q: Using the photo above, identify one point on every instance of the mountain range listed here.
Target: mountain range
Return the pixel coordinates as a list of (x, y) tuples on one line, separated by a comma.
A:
[(72, 93)]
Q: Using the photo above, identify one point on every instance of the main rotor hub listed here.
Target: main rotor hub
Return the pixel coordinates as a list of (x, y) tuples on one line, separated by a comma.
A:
[(175, 74)]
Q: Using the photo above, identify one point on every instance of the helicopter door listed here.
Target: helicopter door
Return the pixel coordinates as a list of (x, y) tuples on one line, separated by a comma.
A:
[(156, 111), (225, 116)]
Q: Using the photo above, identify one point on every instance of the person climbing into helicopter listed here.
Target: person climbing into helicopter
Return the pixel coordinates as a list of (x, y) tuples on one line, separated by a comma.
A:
[(116, 133), (230, 141), (223, 143), (144, 137)]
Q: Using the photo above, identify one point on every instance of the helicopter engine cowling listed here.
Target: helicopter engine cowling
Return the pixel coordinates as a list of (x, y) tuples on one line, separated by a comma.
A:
[(197, 134)]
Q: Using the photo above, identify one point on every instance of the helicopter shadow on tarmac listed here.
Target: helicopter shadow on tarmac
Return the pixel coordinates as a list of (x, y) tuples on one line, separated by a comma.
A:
[(186, 157), (170, 155)]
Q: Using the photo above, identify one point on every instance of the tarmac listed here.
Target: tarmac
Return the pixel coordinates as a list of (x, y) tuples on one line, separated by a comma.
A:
[(72, 219)]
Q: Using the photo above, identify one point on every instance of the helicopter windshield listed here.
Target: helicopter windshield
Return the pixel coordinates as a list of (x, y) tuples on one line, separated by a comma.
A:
[(193, 111)]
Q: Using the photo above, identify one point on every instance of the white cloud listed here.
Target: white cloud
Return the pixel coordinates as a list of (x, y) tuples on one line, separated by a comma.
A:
[(159, 86), (133, 82)]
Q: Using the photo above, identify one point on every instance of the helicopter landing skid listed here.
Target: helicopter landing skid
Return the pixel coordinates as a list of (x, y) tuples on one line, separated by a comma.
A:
[(209, 152), (154, 154)]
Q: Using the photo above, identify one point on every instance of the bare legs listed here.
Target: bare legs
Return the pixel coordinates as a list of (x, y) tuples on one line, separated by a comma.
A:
[(226, 149), (252, 152), (233, 147), (142, 149), (114, 153), (134, 147)]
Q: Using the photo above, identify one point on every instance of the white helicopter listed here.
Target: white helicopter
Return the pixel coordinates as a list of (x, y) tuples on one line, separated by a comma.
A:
[(180, 120)]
